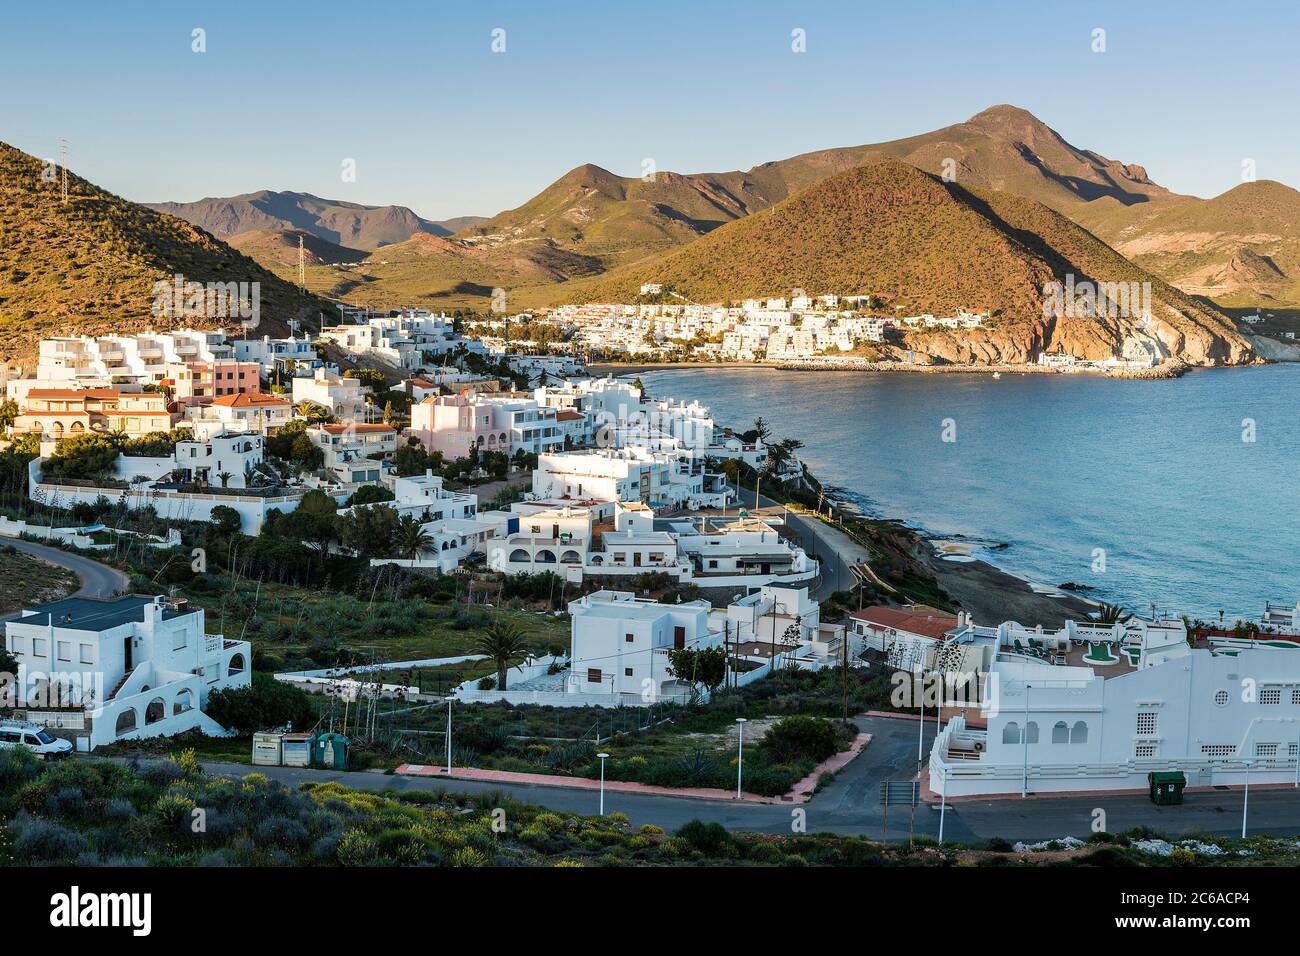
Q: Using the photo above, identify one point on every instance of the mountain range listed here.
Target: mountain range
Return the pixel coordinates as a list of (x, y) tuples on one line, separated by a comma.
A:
[(346, 224), (1238, 250), (919, 244), (1035, 206), (89, 265)]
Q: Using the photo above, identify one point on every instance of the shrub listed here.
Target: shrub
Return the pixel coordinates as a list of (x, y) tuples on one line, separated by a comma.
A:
[(798, 737), (711, 839), (263, 704)]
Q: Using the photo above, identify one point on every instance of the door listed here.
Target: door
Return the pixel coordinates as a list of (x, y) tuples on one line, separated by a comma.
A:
[(126, 655)]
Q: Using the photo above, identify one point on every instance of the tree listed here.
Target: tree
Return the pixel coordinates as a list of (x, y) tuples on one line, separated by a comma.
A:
[(314, 412), (224, 477), (411, 459), (412, 539), (226, 520), (707, 666), (83, 456), (503, 643), (1109, 613), (370, 495), (8, 412), (369, 530)]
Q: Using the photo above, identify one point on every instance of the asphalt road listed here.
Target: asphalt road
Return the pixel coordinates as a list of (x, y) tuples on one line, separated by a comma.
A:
[(97, 580), (851, 804)]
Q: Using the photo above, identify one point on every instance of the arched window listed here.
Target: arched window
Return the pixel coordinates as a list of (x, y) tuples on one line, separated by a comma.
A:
[(156, 711), (77, 428), (1060, 732), (1079, 735), (518, 554), (546, 556), (57, 429), (1031, 732), (126, 722), (570, 557), (597, 559), (183, 701), (1011, 733), (236, 665)]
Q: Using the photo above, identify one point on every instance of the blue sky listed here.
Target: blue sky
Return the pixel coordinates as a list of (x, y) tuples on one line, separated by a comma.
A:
[(435, 120)]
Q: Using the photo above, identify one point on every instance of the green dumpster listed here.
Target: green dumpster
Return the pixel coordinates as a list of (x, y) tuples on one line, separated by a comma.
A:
[(1167, 787), (330, 750)]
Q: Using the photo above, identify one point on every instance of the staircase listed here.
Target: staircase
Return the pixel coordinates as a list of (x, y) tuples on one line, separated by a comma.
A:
[(118, 686)]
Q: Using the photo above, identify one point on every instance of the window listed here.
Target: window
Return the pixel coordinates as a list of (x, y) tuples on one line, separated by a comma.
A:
[(65, 651), (87, 654), (679, 637), (629, 638), (1144, 749), (1031, 732), (1270, 696), (1265, 750), (1221, 698), (1218, 750), (1079, 733), (1146, 723), (1060, 732), (1011, 733), (38, 647), (593, 675), (627, 672), (1295, 695)]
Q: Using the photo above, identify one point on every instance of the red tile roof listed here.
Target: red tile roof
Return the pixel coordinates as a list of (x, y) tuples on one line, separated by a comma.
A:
[(245, 399), (924, 623)]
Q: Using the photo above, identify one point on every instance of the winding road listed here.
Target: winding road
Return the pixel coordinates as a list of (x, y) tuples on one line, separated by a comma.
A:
[(850, 804), (97, 580)]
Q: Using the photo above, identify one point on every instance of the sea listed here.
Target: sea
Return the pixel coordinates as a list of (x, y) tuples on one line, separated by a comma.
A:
[(1181, 495)]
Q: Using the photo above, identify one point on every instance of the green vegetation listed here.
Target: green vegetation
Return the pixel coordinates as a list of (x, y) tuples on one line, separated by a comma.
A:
[(26, 581), (90, 265)]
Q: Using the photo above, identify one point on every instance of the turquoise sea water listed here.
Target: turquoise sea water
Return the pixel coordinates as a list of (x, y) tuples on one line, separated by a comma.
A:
[(1190, 487)]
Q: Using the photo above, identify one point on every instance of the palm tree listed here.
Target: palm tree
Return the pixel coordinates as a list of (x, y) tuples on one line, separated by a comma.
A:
[(778, 456), (502, 642), (1109, 613), (412, 539), (224, 477)]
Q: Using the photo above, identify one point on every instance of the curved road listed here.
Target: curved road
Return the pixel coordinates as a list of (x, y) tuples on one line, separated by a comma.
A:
[(97, 580)]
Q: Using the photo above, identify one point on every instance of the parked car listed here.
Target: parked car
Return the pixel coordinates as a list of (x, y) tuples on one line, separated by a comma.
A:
[(14, 733)]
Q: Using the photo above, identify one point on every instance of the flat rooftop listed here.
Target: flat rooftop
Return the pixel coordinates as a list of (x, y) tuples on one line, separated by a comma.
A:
[(90, 614)]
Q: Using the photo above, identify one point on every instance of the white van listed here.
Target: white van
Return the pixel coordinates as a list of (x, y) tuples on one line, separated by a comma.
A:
[(15, 733)]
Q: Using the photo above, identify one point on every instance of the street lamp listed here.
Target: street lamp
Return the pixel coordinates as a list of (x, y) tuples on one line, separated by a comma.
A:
[(1245, 802), (740, 754), (943, 798), (449, 701), (1024, 736), (603, 757)]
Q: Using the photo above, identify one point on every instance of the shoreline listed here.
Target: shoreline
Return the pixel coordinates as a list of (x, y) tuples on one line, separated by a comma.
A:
[(1166, 370)]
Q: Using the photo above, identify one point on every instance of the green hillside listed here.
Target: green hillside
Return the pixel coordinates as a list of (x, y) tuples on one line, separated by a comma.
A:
[(921, 245), (90, 266)]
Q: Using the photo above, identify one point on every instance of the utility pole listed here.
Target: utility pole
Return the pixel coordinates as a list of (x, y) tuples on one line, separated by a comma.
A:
[(63, 164), (302, 265)]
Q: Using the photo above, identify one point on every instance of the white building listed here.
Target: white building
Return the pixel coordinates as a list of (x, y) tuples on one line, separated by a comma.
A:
[(1215, 715), (123, 669), (354, 453), (344, 397), (225, 460), (84, 361), (620, 645)]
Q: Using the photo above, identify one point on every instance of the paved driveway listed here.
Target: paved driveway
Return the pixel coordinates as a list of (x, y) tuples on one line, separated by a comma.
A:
[(97, 580)]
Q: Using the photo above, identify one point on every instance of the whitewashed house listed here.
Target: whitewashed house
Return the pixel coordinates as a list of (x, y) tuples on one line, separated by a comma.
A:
[(620, 646), (126, 668), (1215, 715)]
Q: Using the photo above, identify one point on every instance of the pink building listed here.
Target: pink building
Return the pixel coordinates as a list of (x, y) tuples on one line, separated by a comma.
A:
[(452, 424), (198, 383)]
